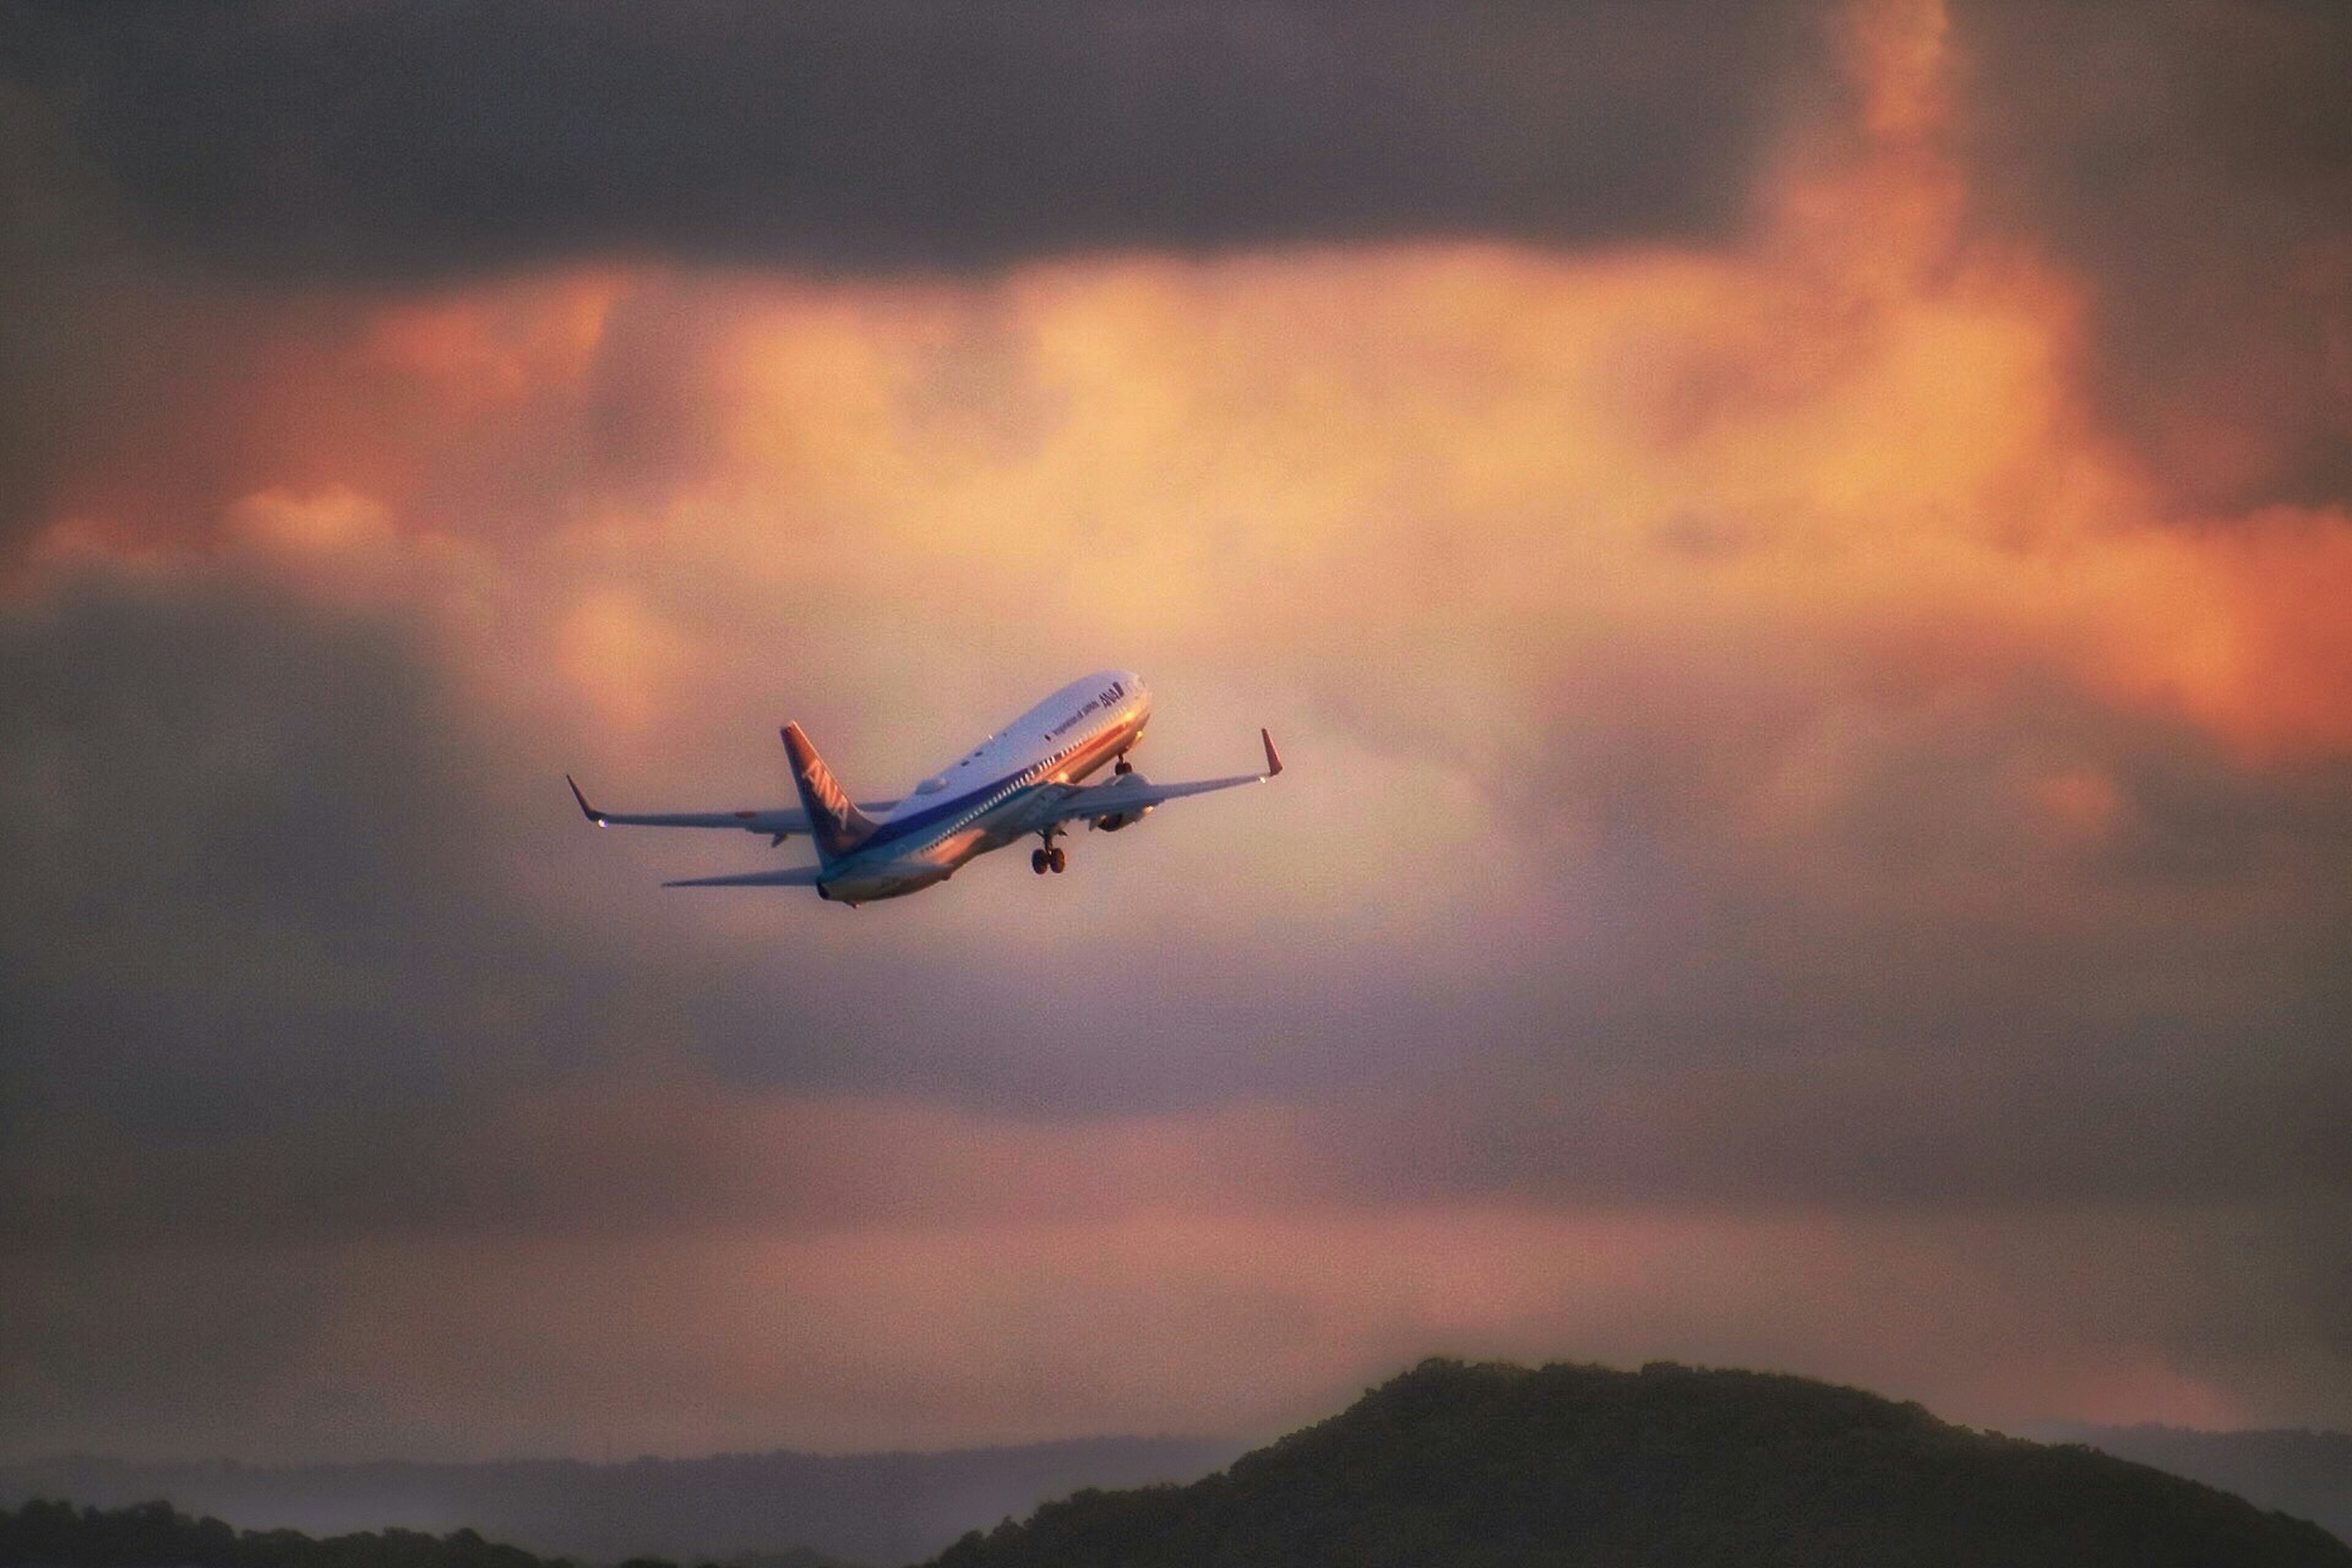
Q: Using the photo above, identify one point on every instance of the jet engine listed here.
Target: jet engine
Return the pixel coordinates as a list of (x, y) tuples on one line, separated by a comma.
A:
[(1119, 819)]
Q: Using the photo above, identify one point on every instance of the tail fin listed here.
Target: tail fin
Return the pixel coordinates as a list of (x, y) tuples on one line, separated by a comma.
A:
[(837, 825)]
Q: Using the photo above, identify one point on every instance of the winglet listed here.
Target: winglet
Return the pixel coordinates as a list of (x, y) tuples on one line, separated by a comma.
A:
[(1273, 757), (590, 812)]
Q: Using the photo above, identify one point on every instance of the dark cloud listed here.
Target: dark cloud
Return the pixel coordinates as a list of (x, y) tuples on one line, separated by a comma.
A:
[(1930, 985), (383, 139), (275, 967), (271, 877), (283, 1009), (279, 958), (2193, 163), (244, 848)]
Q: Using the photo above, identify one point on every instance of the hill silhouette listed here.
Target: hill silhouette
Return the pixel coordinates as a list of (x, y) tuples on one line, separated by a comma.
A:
[(157, 1535), (1455, 1466), (868, 1508), (2308, 1474)]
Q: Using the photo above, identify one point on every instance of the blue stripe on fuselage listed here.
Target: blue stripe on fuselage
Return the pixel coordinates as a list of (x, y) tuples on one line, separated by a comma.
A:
[(898, 829)]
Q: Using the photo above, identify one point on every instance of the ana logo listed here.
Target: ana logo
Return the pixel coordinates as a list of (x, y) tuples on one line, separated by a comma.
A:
[(821, 786)]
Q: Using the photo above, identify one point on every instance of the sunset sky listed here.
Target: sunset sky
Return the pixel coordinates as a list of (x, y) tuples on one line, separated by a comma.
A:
[(1798, 551)]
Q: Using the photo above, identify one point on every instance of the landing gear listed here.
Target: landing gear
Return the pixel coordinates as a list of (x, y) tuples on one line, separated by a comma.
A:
[(1124, 766), (1052, 857)]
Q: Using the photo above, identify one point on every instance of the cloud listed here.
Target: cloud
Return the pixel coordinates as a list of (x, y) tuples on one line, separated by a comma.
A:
[(179, 188), (1792, 822), (2193, 165), (925, 1336), (377, 140), (243, 850)]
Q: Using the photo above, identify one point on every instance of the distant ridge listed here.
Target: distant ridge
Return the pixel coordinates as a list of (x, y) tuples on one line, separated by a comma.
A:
[(1453, 1466), (866, 1507)]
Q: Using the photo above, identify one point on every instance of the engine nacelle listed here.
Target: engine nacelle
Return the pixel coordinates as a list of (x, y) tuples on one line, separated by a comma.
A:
[(1119, 819)]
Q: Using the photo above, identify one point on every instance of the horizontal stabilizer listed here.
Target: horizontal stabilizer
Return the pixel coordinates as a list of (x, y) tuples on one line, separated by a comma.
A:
[(782, 877)]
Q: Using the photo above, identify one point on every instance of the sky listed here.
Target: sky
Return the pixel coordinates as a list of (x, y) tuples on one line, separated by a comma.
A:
[(1797, 553)]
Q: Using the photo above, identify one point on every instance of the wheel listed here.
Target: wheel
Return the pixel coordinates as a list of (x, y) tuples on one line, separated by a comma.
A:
[(1124, 766), (1056, 859), (1037, 861)]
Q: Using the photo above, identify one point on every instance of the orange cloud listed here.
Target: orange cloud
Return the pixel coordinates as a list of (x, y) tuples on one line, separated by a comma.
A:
[(1859, 437)]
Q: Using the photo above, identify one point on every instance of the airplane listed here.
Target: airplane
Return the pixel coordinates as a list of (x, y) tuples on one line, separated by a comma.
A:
[(1027, 778)]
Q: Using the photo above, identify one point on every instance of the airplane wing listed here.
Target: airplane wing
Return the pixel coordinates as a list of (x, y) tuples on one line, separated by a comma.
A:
[(1129, 792), (777, 822), (782, 877)]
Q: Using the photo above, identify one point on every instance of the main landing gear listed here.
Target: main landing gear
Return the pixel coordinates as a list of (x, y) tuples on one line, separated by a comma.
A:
[(1050, 857)]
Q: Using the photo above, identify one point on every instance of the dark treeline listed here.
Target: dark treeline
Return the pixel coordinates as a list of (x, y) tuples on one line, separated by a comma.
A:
[(46, 1534), (2308, 1474), (726, 1508), (1453, 1466), (1580, 1467), (154, 1534)]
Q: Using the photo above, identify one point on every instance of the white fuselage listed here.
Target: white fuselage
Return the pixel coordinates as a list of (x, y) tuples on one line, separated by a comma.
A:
[(989, 797)]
